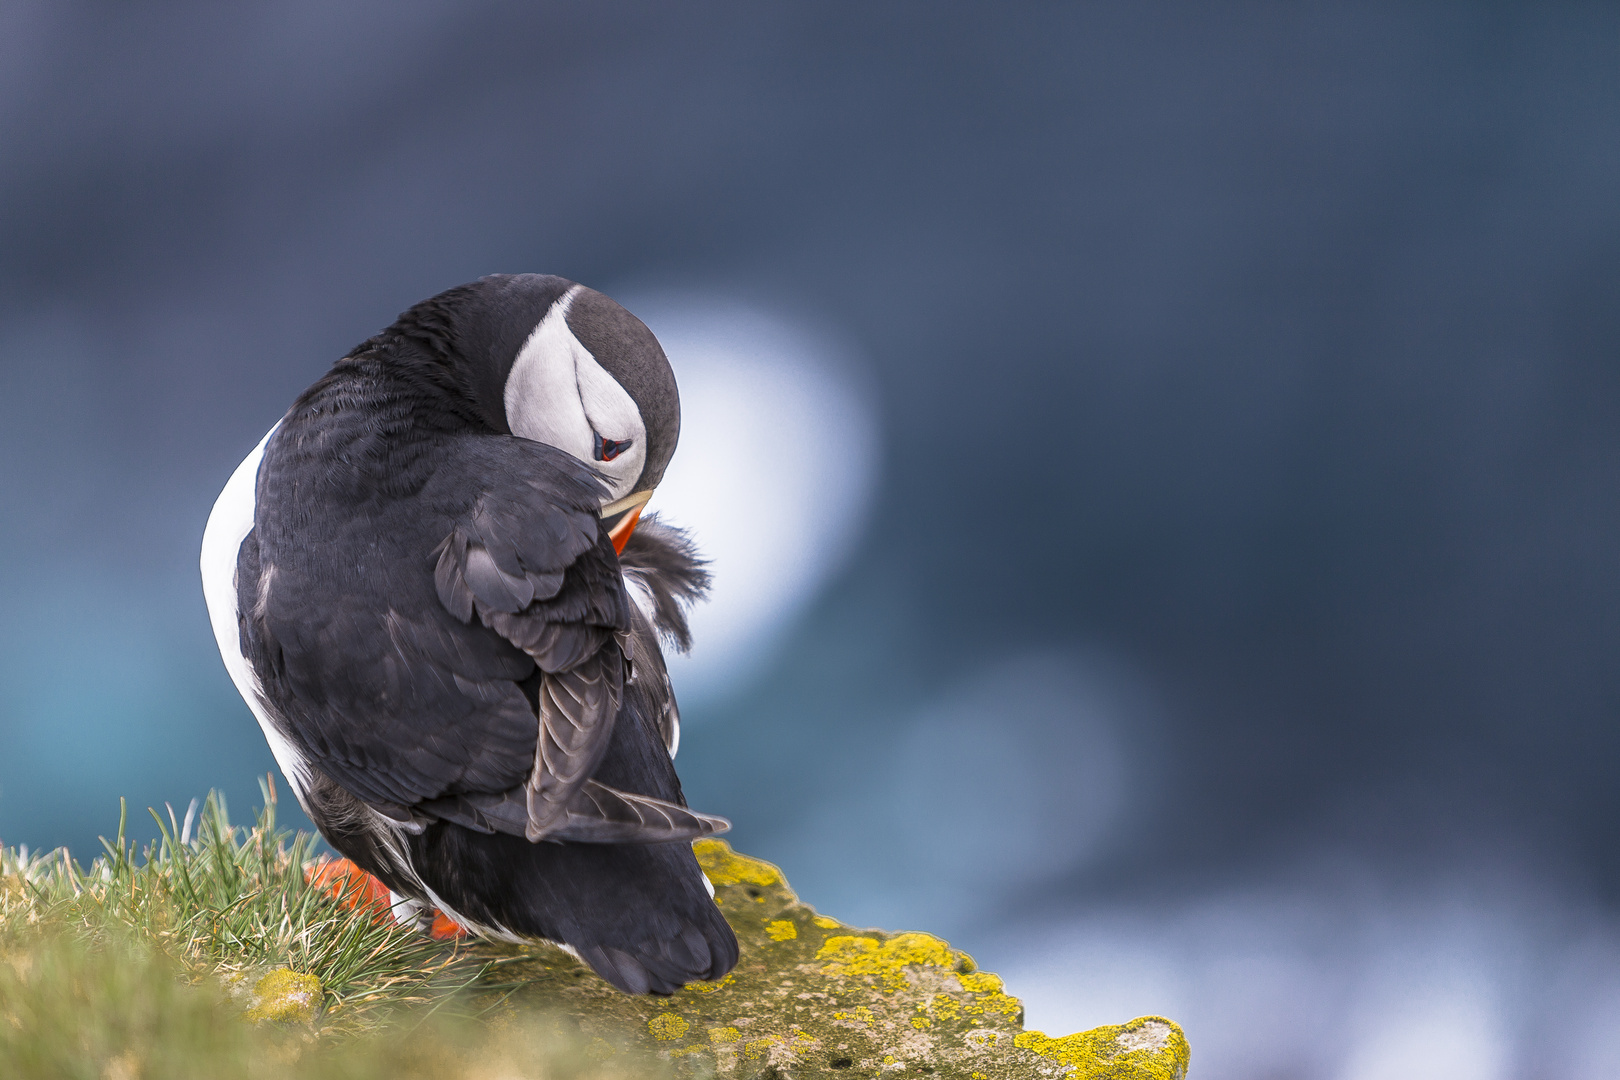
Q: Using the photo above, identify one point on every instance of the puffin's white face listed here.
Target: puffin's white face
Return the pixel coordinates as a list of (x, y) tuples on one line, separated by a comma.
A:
[(558, 394)]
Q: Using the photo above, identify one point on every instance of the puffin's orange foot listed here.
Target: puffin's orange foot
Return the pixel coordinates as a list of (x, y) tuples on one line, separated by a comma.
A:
[(359, 891), (445, 928), (350, 886)]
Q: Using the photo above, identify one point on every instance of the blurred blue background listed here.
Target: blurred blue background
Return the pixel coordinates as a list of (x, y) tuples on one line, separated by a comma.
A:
[(1189, 579)]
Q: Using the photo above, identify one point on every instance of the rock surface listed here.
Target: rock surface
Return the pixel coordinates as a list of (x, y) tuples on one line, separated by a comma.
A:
[(812, 997), (284, 996)]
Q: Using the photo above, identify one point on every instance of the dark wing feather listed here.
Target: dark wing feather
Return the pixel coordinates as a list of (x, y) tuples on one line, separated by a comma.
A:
[(577, 710), (597, 814), (600, 814)]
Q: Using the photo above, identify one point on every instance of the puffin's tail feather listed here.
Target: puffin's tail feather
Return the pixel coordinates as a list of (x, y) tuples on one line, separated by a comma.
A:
[(639, 914), (662, 973)]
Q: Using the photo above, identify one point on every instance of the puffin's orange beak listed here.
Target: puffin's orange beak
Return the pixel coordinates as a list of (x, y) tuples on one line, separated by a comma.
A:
[(620, 533), (628, 511)]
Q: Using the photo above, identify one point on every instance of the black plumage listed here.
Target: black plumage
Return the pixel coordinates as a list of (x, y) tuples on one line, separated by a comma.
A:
[(438, 623)]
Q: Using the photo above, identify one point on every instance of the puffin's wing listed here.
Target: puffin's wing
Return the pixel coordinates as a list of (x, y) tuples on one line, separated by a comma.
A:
[(549, 583), (392, 701), (500, 564), (415, 679)]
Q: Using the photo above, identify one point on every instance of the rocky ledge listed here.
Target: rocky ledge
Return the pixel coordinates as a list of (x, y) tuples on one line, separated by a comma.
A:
[(812, 997)]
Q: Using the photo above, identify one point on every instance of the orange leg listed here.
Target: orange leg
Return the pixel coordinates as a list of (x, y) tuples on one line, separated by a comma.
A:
[(355, 889)]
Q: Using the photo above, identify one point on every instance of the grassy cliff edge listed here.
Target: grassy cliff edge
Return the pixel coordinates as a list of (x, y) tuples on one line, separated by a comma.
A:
[(216, 952)]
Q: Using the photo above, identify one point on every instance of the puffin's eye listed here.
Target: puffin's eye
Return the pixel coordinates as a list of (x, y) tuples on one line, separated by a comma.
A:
[(608, 449)]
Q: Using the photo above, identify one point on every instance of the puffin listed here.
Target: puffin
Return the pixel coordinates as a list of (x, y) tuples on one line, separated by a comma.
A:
[(432, 584)]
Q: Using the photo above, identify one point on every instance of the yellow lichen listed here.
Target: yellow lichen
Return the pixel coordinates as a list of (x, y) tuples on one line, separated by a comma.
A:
[(1001, 1003), (1147, 1048), (887, 960), (826, 923), (722, 1036), (781, 930), (285, 995), (722, 866), (920, 1022), (695, 1048), (864, 1015), (711, 987), (980, 982), (980, 1076), (945, 1007), (668, 1027), (755, 1048)]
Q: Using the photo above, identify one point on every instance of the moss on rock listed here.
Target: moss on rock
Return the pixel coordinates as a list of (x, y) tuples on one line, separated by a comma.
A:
[(813, 997), (285, 995)]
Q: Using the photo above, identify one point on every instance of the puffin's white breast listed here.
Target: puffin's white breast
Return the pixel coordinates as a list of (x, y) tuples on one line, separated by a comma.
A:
[(228, 526)]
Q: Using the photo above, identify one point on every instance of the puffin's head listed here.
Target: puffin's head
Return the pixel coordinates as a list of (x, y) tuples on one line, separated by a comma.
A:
[(550, 360)]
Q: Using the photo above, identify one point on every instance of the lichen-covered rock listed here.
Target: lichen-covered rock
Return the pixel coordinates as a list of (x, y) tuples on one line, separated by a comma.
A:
[(813, 997), (285, 995), (1147, 1048)]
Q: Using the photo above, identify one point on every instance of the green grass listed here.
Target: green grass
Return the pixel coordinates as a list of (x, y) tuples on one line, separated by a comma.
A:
[(143, 964)]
